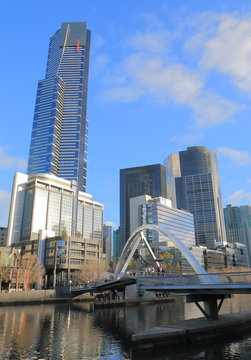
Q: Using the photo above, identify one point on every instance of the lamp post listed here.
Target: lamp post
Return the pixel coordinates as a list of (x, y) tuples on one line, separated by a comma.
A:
[(55, 265)]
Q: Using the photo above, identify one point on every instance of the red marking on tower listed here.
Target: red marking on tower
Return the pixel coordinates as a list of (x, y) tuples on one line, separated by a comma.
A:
[(78, 46)]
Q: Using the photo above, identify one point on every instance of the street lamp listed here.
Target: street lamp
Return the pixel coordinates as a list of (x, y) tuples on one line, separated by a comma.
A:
[(55, 264)]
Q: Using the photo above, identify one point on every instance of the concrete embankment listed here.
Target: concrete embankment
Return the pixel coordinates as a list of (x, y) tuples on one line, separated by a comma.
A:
[(189, 331), (62, 295), (38, 296)]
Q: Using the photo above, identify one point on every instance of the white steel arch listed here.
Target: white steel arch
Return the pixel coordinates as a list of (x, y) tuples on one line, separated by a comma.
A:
[(134, 240)]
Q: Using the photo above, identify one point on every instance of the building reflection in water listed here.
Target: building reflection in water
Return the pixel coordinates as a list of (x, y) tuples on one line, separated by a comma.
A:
[(52, 332), (63, 332)]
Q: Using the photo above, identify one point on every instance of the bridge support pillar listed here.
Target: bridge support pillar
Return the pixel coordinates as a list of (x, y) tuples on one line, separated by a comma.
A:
[(211, 306)]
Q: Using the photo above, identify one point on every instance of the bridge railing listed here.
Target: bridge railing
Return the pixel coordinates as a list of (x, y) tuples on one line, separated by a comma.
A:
[(242, 277), (152, 279)]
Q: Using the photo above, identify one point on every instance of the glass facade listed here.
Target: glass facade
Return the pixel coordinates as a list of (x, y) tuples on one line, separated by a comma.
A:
[(88, 222), (238, 227), (198, 190), (48, 207), (144, 180), (178, 222), (27, 214), (115, 245), (233, 223), (60, 128), (54, 212)]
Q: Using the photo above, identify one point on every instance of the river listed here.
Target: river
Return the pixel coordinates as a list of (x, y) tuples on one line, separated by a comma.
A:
[(76, 331)]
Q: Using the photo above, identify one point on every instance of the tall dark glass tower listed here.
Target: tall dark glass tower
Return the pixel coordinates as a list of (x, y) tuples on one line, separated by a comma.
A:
[(60, 128), (198, 190), (142, 180), (238, 226)]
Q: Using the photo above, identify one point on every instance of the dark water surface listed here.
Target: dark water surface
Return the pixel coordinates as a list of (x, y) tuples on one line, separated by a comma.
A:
[(75, 332)]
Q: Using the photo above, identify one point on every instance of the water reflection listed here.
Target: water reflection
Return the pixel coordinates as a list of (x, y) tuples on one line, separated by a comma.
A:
[(60, 332)]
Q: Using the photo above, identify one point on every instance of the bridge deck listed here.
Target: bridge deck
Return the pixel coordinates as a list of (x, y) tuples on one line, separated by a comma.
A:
[(106, 286), (201, 289), (220, 283)]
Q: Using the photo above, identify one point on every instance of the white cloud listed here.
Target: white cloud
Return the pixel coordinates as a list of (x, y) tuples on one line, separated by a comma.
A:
[(186, 139), (240, 197), (150, 71), (226, 47), (9, 162), (163, 82), (157, 42), (235, 157), (126, 94), (97, 42), (99, 64), (4, 207), (212, 109)]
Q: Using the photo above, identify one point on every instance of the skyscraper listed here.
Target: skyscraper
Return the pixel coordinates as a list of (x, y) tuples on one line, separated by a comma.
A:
[(172, 164), (147, 210), (198, 190), (238, 226), (60, 128), (143, 180)]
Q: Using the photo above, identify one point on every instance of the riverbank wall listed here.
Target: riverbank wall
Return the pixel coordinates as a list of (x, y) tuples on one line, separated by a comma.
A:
[(61, 295), (39, 296)]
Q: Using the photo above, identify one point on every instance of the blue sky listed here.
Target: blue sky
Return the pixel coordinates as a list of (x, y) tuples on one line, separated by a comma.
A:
[(164, 75)]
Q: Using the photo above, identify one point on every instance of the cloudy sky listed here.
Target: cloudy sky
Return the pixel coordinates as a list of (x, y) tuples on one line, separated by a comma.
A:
[(164, 75)]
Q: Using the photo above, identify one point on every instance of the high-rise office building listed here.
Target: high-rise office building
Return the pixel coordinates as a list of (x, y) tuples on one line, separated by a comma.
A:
[(143, 180), (60, 128), (172, 164), (115, 245), (159, 211), (108, 240), (198, 190), (43, 220), (52, 206), (238, 227)]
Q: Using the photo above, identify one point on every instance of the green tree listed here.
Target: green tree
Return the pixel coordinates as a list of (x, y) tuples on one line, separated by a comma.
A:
[(169, 265)]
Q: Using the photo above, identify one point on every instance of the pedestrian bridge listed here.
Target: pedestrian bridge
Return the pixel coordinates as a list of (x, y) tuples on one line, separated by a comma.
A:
[(200, 286)]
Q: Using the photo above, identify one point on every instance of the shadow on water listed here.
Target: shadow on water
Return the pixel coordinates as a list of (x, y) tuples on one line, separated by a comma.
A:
[(121, 323), (228, 348)]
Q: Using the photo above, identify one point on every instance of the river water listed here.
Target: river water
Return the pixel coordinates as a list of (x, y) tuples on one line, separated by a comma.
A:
[(76, 331)]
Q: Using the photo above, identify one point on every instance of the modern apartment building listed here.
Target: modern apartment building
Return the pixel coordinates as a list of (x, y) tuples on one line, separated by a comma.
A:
[(60, 129), (198, 190), (143, 180)]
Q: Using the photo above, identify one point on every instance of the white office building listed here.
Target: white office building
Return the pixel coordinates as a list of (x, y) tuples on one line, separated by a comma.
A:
[(159, 211), (54, 206)]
